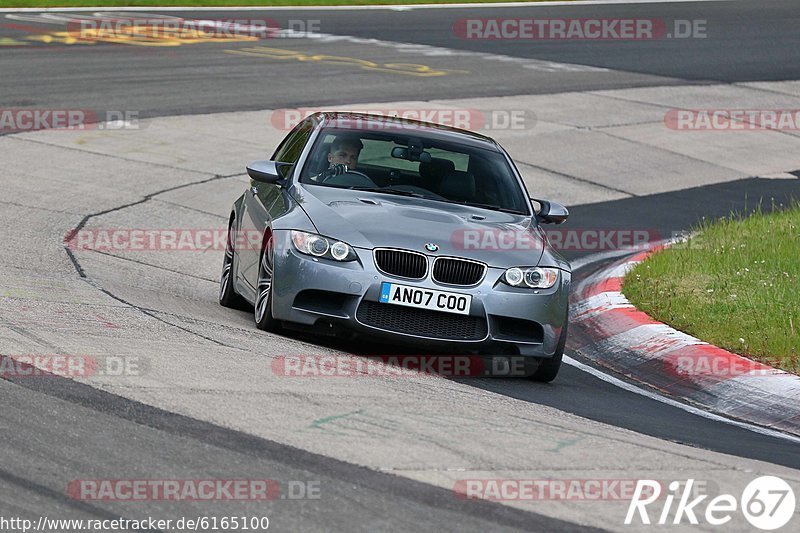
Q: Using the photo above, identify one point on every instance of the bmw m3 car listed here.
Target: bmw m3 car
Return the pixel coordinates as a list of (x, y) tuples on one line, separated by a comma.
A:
[(409, 232)]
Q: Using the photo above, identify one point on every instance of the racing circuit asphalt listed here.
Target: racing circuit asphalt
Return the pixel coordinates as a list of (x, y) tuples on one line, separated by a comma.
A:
[(745, 42), (53, 429)]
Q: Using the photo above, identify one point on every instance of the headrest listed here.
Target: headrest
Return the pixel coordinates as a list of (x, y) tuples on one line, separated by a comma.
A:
[(459, 186), (436, 169)]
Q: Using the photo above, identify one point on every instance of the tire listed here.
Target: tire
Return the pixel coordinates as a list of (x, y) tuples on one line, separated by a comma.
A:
[(227, 293), (548, 368), (262, 310)]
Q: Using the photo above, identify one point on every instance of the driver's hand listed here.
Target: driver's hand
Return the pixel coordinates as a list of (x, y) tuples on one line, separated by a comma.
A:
[(334, 170)]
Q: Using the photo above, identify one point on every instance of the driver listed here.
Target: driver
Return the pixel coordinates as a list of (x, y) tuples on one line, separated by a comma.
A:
[(342, 156)]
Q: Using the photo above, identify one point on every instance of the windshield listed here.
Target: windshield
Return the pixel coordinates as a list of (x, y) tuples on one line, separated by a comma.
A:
[(409, 164)]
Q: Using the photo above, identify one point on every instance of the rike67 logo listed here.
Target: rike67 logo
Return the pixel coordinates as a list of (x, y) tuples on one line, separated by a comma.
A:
[(767, 503)]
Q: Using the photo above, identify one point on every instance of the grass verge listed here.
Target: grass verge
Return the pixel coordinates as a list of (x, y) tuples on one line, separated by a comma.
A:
[(736, 285), (226, 3)]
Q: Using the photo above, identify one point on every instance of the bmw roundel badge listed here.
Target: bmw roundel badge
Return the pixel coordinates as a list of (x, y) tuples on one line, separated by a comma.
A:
[(432, 247)]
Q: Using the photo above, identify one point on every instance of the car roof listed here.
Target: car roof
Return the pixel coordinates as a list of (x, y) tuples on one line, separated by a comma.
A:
[(369, 123)]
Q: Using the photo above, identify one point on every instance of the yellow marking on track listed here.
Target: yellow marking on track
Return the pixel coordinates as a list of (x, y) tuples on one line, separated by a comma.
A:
[(141, 36), (150, 36), (8, 41), (56, 37), (406, 69)]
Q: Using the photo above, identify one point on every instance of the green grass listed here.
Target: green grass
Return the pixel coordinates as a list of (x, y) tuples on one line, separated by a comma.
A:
[(735, 285), (196, 3)]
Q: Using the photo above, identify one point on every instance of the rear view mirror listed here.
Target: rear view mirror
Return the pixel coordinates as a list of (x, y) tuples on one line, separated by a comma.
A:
[(550, 212), (410, 154)]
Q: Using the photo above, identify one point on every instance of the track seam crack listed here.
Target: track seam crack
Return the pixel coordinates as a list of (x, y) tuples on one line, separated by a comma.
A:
[(121, 258), (575, 178), (678, 154), (146, 198), (111, 156), (668, 107), (196, 210), (152, 315), (39, 208)]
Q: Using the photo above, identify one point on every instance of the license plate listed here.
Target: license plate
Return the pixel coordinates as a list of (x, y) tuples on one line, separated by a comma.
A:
[(449, 302)]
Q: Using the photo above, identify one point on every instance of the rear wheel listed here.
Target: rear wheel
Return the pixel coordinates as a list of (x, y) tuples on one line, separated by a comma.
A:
[(263, 307), (227, 293), (548, 368)]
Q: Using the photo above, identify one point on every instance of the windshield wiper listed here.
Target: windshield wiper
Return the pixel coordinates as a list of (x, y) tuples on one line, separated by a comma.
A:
[(390, 190), (488, 206), (403, 192), (498, 208)]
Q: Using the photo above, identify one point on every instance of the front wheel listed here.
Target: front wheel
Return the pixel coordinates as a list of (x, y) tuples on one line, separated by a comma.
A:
[(263, 307), (548, 368), (227, 293)]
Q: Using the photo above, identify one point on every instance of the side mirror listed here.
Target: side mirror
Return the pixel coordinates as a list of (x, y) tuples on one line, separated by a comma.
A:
[(267, 171), (550, 212)]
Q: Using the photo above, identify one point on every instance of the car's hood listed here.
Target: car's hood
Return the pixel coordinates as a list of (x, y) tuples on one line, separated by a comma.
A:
[(373, 220)]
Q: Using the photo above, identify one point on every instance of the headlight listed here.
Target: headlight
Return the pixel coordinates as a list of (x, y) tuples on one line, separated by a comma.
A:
[(514, 276), (534, 277), (319, 246), (340, 251)]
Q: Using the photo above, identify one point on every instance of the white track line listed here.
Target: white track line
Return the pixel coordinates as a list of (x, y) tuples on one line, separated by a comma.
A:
[(674, 403), (599, 374), (389, 7), (540, 65), (601, 256)]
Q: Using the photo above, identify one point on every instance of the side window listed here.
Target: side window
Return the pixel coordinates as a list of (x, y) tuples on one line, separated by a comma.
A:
[(292, 146)]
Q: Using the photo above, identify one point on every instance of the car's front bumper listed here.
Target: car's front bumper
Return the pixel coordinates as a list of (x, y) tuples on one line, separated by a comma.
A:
[(502, 319)]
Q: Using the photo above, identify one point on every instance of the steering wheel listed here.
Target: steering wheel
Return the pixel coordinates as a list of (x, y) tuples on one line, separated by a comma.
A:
[(360, 174), (342, 179)]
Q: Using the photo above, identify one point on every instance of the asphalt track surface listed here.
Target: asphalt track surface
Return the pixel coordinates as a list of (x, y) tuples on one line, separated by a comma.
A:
[(744, 42), (57, 424)]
